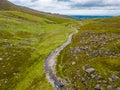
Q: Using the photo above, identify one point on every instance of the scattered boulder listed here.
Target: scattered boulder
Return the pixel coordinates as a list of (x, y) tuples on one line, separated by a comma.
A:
[(97, 87), (107, 52), (99, 77), (104, 81), (83, 79), (113, 78), (110, 87), (90, 70), (92, 76), (105, 85), (118, 88)]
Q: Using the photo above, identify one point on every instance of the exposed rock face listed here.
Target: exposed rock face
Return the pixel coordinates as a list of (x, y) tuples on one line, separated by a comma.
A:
[(90, 70)]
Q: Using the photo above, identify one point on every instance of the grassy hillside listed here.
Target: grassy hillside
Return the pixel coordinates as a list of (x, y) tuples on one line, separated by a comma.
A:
[(5, 5), (26, 39), (92, 60)]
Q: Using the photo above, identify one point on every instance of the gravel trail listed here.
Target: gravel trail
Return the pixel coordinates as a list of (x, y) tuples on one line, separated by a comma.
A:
[(50, 64)]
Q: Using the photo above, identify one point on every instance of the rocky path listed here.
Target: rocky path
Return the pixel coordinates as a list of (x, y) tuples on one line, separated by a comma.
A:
[(50, 64)]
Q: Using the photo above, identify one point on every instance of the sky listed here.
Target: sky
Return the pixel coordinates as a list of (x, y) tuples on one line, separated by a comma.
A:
[(73, 7)]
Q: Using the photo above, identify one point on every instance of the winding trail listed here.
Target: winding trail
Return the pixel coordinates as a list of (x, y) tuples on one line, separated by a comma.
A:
[(50, 64)]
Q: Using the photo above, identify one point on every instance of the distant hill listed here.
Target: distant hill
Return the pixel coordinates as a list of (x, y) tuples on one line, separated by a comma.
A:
[(7, 5)]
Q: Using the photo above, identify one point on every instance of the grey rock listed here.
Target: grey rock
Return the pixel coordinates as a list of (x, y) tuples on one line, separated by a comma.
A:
[(99, 77), (113, 78), (107, 52), (92, 76), (118, 88), (105, 85), (83, 79), (85, 83), (104, 81), (110, 87), (90, 70), (97, 87)]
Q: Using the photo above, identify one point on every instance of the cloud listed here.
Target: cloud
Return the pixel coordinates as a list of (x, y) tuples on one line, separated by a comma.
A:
[(70, 6)]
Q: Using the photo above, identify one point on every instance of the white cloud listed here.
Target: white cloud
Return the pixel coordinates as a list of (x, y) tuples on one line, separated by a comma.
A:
[(97, 7)]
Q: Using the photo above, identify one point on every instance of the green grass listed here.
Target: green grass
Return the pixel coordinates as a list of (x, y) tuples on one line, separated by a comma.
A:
[(100, 41), (25, 42)]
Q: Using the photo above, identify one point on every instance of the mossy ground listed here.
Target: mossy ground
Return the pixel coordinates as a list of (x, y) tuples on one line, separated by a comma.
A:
[(97, 45), (25, 41)]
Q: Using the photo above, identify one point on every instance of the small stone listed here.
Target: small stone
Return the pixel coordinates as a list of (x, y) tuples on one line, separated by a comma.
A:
[(110, 79), (90, 70), (99, 81), (73, 63), (3, 66), (92, 76), (83, 67), (14, 74), (5, 81), (83, 79), (4, 73), (107, 52), (99, 77), (113, 79), (1, 59), (109, 87), (85, 83), (105, 85), (104, 81), (97, 87), (118, 88)]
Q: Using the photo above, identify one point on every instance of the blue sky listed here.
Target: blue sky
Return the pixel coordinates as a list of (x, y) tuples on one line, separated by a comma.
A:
[(79, 7)]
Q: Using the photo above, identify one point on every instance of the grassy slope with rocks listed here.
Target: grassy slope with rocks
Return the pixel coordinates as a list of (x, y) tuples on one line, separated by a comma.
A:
[(26, 39), (92, 60)]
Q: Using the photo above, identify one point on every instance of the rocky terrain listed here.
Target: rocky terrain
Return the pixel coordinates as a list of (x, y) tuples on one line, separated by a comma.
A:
[(92, 61)]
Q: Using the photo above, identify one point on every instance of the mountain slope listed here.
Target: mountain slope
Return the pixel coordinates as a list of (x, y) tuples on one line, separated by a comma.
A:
[(26, 39), (6, 5)]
